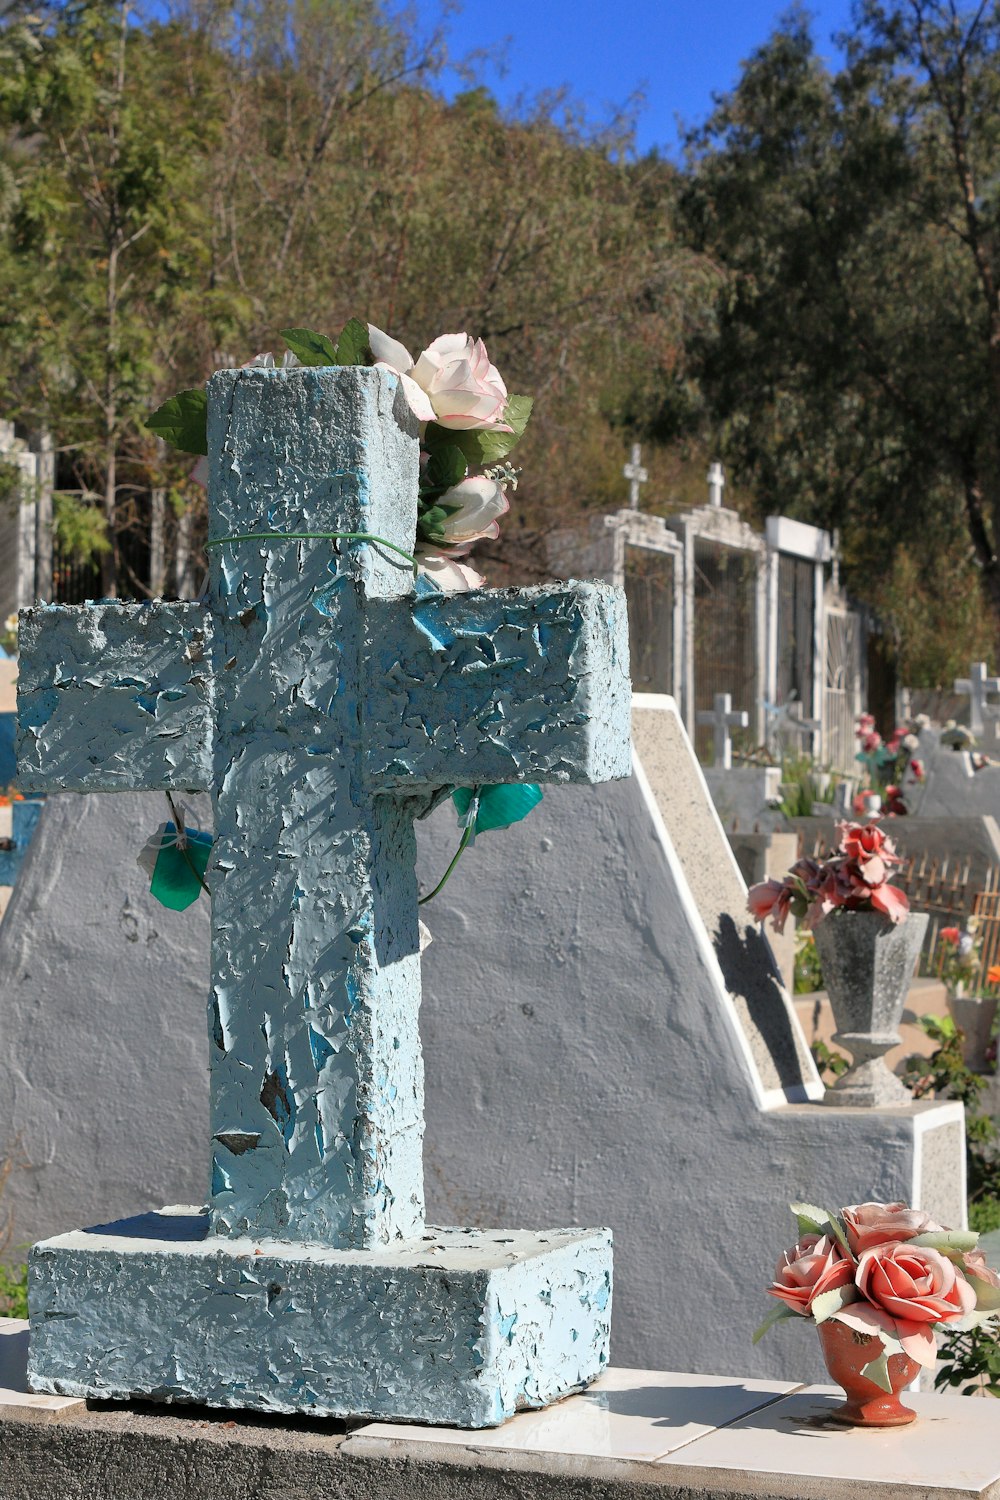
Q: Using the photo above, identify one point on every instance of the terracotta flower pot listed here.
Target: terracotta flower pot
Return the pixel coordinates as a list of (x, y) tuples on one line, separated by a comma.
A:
[(867, 967), (846, 1353)]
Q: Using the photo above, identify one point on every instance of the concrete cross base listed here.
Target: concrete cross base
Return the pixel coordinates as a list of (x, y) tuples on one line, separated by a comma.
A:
[(459, 1326)]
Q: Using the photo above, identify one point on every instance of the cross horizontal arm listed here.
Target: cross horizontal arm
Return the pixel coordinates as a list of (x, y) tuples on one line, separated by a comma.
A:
[(114, 696), (499, 685)]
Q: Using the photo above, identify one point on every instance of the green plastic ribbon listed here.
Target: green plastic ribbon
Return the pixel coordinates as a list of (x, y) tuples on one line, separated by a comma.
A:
[(482, 808), (179, 872)]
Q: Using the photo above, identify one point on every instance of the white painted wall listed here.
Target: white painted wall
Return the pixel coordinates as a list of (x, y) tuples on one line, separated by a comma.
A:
[(585, 1062)]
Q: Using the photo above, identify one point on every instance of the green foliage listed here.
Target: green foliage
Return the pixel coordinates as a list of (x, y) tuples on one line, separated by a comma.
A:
[(829, 1064), (11, 483), (970, 1360), (850, 364), (800, 788), (80, 527), (808, 973), (946, 1075), (13, 1291)]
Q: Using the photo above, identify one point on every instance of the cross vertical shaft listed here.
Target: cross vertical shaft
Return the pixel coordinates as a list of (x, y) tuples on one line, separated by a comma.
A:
[(316, 1071)]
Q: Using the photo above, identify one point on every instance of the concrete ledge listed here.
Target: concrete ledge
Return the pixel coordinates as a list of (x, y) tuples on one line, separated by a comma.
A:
[(635, 1432)]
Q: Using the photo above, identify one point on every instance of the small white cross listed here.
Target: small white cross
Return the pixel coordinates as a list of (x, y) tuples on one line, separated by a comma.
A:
[(722, 718), (636, 475), (716, 479), (977, 685)]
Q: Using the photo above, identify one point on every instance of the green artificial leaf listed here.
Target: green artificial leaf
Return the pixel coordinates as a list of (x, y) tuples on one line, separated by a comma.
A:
[(352, 346), (827, 1303), (946, 1239), (178, 873), (499, 806), (987, 1295), (446, 466), (877, 1371), (836, 1228), (483, 447), (311, 348), (776, 1315), (183, 421), (810, 1219)]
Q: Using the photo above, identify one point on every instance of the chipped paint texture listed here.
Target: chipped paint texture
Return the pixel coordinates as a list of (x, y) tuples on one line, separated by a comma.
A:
[(323, 702), (462, 1325), (114, 697)]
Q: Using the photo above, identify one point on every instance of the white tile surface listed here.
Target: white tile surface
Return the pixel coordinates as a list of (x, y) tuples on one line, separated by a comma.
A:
[(15, 1398), (954, 1444), (626, 1414)]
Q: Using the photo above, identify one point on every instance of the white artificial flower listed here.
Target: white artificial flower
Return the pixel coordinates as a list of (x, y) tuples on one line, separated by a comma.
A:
[(392, 355), (447, 573), (474, 507)]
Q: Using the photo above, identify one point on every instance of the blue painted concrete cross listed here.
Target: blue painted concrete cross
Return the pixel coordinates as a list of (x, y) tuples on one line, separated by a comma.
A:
[(323, 702)]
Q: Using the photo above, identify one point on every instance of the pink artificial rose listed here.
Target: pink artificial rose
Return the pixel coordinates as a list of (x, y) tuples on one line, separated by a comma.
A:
[(474, 506), (464, 389), (869, 1224), (914, 1284), (770, 898), (450, 576), (917, 767), (891, 902), (870, 848), (813, 1266), (974, 1261)]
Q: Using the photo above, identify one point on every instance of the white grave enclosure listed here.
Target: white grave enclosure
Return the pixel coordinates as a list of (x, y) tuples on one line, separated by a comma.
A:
[(605, 1043), (641, 1056), (715, 607)]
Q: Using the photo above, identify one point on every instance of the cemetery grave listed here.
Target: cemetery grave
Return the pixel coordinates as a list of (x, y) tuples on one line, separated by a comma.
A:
[(685, 1010), (323, 705)]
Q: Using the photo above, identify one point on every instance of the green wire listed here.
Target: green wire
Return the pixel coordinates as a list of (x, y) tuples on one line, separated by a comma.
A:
[(466, 836), (313, 536)]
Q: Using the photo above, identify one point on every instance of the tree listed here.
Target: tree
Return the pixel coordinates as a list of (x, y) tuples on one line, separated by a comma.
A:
[(853, 362)]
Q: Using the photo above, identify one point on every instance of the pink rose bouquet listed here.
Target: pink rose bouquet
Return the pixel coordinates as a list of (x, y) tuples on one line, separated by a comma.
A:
[(888, 1271), (857, 877)]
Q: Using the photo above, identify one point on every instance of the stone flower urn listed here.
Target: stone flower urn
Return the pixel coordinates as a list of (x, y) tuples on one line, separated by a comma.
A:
[(975, 1015), (868, 963)]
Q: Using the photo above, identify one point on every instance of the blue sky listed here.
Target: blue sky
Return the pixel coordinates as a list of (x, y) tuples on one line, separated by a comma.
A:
[(679, 52)]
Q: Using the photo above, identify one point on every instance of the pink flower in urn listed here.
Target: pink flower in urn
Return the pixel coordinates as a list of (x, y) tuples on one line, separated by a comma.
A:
[(813, 1266), (917, 768), (770, 898), (869, 1224), (870, 848), (914, 1284)]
